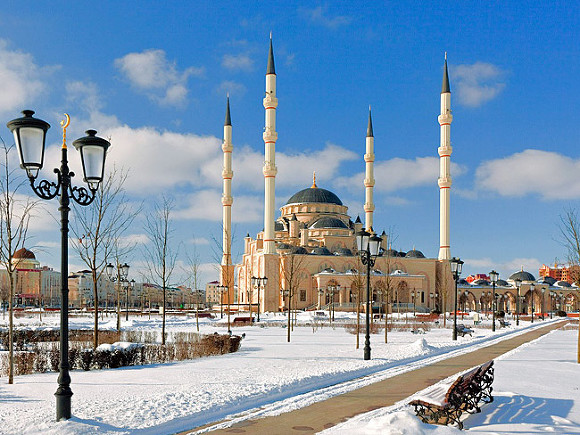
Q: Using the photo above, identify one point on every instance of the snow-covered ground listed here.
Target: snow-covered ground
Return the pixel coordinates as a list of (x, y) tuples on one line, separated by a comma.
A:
[(267, 373), (536, 391)]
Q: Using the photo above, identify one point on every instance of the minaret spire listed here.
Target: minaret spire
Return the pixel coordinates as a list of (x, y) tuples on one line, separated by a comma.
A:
[(270, 136), (445, 86), (228, 120), (444, 181), (370, 126), (369, 181), (227, 268), (271, 69)]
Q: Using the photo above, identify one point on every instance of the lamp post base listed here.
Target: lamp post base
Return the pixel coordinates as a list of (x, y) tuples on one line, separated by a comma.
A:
[(367, 352), (63, 403)]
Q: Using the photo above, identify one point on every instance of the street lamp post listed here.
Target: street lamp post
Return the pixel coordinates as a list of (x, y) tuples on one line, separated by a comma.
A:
[(493, 276), (332, 289), (456, 266), (260, 282), (120, 278), (518, 283), (532, 288), (286, 294), (30, 136), (369, 248)]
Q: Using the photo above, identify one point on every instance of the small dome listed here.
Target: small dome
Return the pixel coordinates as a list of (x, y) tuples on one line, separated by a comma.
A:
[(390, 253), (522, 275), (399, 272), (501, 283), (283, 246), (547, 280), (480, 282), (328, 222), (299, 250), (463, 281), (314, 194), (24, 253), (414, 254), (279, 226), (322, 250), (343, 252), (563, 284), (402, 254)]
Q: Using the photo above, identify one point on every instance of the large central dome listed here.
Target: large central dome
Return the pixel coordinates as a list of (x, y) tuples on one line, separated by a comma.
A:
[(314, 194)]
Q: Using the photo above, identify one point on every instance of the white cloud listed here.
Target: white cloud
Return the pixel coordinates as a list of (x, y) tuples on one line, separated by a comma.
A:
[(20, 80), (548, 174), (396, 174), (476, 83), (198, 241), (151, 73), (206, 205), (238, 62), (84, 95), (320, 16)]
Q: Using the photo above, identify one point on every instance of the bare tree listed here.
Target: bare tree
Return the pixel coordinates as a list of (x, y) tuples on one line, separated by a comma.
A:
[(570, 239), (357, 282), (98, 230), (160, 252), (192, 276), (292, 274), (15, 214)]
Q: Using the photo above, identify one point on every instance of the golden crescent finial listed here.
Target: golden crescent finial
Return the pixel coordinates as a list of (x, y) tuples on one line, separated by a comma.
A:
[(313, 180), (64, 124)]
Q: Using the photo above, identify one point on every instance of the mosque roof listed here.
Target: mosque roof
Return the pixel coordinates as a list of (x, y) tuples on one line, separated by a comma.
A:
[(370, 125), (283, 246), (321, 250), (522, 275), (501, 282), (299, 250), (343, 252), (228, 120), (271, 69), (328, 222), (414, 253), (24, 253), (547, 280), (314, 194), (563, 284)]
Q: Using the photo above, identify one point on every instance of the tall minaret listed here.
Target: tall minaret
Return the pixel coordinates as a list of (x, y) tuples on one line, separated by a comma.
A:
[(444, 180), (270, 137), (227, 275), (369, 182)]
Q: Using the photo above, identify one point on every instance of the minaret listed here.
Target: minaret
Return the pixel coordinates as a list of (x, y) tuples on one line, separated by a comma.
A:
[(227, 275), (270, 136), (369, 182), (444, 180)]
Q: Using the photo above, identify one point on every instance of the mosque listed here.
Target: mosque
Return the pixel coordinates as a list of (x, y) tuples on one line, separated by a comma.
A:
[(308, 254)]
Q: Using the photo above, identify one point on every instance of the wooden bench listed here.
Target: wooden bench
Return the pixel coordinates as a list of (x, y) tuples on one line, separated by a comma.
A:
[(503, 323), (447, 402), (243, 320), (462, 330)]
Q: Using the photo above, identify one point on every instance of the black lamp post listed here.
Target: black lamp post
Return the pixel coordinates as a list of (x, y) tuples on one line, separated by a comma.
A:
[(260, 282), (286, 294), (518, 283), (120, 277), (493, 276), (29, 135), (332, 290), (532, 288), (456, 266), (368, 247)]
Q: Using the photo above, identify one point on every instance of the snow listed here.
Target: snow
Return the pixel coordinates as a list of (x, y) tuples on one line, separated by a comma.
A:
[(269, 376)]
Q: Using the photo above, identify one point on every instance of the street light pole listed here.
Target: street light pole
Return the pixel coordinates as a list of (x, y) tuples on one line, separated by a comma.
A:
[(532, 288), (456, 266), (30, 136), (518, 283), (120, 278), (261, 282), (493, 276), (369, 248)]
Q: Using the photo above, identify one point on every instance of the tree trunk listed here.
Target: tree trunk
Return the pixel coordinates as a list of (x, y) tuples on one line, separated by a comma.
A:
[(163, 321), (96, 307)]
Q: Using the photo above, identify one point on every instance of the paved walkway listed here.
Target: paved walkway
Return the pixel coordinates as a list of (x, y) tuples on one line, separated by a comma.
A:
[(330, 412)]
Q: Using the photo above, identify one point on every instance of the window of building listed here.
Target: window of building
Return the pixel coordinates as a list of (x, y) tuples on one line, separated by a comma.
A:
[(302, 295)]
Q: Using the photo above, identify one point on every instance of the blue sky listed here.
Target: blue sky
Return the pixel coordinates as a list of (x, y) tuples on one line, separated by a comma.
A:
[(153, 76)]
